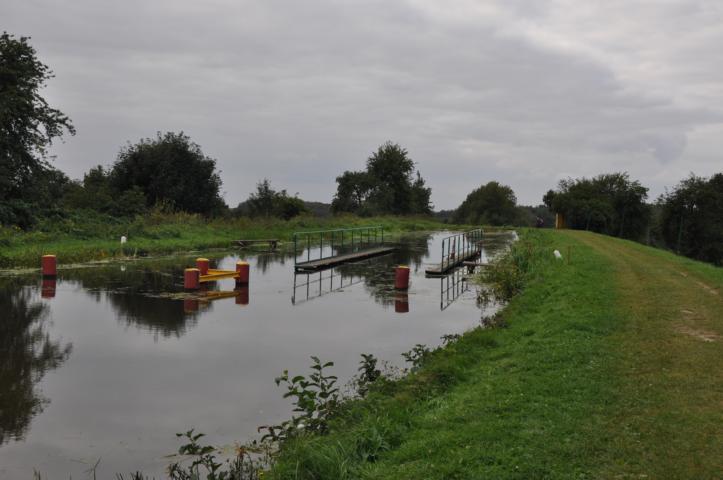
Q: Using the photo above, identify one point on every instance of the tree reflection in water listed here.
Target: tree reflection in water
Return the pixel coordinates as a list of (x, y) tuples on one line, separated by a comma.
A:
[(142, 296), (26, 354)]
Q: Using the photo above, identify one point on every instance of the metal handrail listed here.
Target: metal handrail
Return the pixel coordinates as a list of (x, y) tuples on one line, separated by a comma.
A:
[(336, 239), (460, 244)]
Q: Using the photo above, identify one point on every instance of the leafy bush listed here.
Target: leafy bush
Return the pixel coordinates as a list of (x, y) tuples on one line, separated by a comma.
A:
[(315, 399)]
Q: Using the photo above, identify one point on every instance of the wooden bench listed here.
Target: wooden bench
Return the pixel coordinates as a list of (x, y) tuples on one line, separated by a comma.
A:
[(272, 242)]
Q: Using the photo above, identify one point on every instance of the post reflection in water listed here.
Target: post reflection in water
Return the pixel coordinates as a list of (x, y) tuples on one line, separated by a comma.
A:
[(242, 295), (26, 353), (47, 288), (193, 302), (401, 302), (317, 284), (451, 287)]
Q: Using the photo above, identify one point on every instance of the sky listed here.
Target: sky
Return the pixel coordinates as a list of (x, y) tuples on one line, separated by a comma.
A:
[(522, 92)]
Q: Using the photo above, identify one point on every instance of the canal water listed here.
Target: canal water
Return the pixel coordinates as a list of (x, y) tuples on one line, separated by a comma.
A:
[(108, 363)]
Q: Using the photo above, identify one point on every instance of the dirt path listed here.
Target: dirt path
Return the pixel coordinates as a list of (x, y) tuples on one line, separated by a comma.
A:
[(669, 409)]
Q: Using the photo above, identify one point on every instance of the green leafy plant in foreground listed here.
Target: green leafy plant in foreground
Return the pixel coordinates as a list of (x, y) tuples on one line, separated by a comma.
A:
[(244, 466), (417, 356), (315, 399), (368, 373)]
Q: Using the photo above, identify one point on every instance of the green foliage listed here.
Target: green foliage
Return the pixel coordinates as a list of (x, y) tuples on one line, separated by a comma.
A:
[(170, 169), (506, 277), (368, 373), (417, 356), (491, 204), (387, 186), (691, 218), (529, 216), (315, 399), (28, 126), (267, 202), (204, 462), (609, 203), (96, 193)]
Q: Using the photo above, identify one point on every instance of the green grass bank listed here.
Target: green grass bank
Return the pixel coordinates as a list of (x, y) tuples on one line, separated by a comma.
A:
[(602, 367), (87, 238)]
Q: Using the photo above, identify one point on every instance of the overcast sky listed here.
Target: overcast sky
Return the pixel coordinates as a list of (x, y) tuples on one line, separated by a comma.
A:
[(523, 92)]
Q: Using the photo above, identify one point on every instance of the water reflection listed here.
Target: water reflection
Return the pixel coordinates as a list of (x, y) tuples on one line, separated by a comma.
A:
[(26, 354), (125, 391), (264, 261), (452, 286), (308, 286), (376, 274), (144, 296)]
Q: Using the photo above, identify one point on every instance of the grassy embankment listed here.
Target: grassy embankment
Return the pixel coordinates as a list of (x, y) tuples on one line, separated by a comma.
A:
[(608, 367), (99, 238)]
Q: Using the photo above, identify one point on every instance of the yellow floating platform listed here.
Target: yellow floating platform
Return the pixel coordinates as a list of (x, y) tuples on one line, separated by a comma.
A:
[(214, 275)]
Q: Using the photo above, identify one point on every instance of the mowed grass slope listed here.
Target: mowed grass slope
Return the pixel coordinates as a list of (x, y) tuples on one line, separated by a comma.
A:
[(601, 372), (668, 415)]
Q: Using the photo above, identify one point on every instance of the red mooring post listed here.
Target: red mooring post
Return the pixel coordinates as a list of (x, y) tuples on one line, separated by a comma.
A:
[(242, 269), (202, 265), (401, 277), (48, 265), (191, 279)]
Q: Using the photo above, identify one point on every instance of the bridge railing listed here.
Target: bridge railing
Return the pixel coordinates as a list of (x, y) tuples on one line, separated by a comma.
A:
[(459, 245), (321, 244)]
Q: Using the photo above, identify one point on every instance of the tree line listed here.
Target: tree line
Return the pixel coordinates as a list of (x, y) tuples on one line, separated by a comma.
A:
[(171, 172)]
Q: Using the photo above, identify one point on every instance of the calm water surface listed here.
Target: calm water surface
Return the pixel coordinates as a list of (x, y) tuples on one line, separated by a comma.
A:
[(109, 362)]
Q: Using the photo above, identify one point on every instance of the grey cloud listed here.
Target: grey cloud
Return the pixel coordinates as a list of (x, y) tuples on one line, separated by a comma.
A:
[(300, 91)]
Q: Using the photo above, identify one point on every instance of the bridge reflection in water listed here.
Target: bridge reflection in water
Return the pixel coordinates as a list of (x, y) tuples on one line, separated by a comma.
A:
[(451, 287), (308, 286)]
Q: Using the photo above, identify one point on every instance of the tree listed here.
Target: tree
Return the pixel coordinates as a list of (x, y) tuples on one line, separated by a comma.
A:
[(609, 203), (171, 170), (691, 218), (267, 202), (28, 126), (490, 204), (352, 192), (529, 216), (421, 196), (96, 193), (386, 186)]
